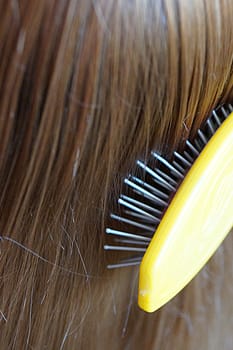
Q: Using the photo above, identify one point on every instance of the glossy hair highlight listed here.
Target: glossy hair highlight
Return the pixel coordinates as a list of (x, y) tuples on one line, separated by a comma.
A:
[(87, 87)]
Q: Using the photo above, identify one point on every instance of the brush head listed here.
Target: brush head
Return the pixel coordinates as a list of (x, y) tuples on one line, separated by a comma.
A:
[(175, 214)]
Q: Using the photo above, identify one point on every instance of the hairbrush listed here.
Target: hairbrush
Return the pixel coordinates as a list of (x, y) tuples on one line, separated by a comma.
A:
[(174, 214)]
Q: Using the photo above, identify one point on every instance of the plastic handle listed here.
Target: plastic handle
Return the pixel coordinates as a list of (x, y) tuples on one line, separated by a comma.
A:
[(194, 225)]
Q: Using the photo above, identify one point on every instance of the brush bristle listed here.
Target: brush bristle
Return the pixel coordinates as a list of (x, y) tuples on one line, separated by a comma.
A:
[(147, 195)]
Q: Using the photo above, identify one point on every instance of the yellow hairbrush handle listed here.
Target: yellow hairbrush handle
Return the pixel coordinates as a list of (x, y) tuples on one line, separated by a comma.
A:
[(194, 225)]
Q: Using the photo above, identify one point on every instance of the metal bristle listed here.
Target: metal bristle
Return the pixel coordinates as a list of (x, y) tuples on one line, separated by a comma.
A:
[(216, 117), (141, 204), (140, 190), (133, 223), (131, 241), (224, 112), (146, 197), (189, 157), (124, 248), (166, 177), (134, 208), (192, 148), (139, 216), (152, 189), (198, 146), (185, 162), (116, 266), (157, 178), (168, 165), (125, 263), (211, 126), (202, 136), (178, 166), (127, 235)]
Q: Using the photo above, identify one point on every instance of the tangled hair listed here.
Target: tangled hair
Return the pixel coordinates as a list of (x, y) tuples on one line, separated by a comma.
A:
[(86, 88)]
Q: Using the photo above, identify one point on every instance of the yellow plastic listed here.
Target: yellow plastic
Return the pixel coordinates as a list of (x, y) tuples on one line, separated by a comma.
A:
[(194, 225)]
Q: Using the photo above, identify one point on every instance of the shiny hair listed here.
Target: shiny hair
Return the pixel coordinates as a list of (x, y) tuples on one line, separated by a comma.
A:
[(86, 88)]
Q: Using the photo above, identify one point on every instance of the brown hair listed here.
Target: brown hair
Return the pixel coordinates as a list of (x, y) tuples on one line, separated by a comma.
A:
[(86, 88)]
